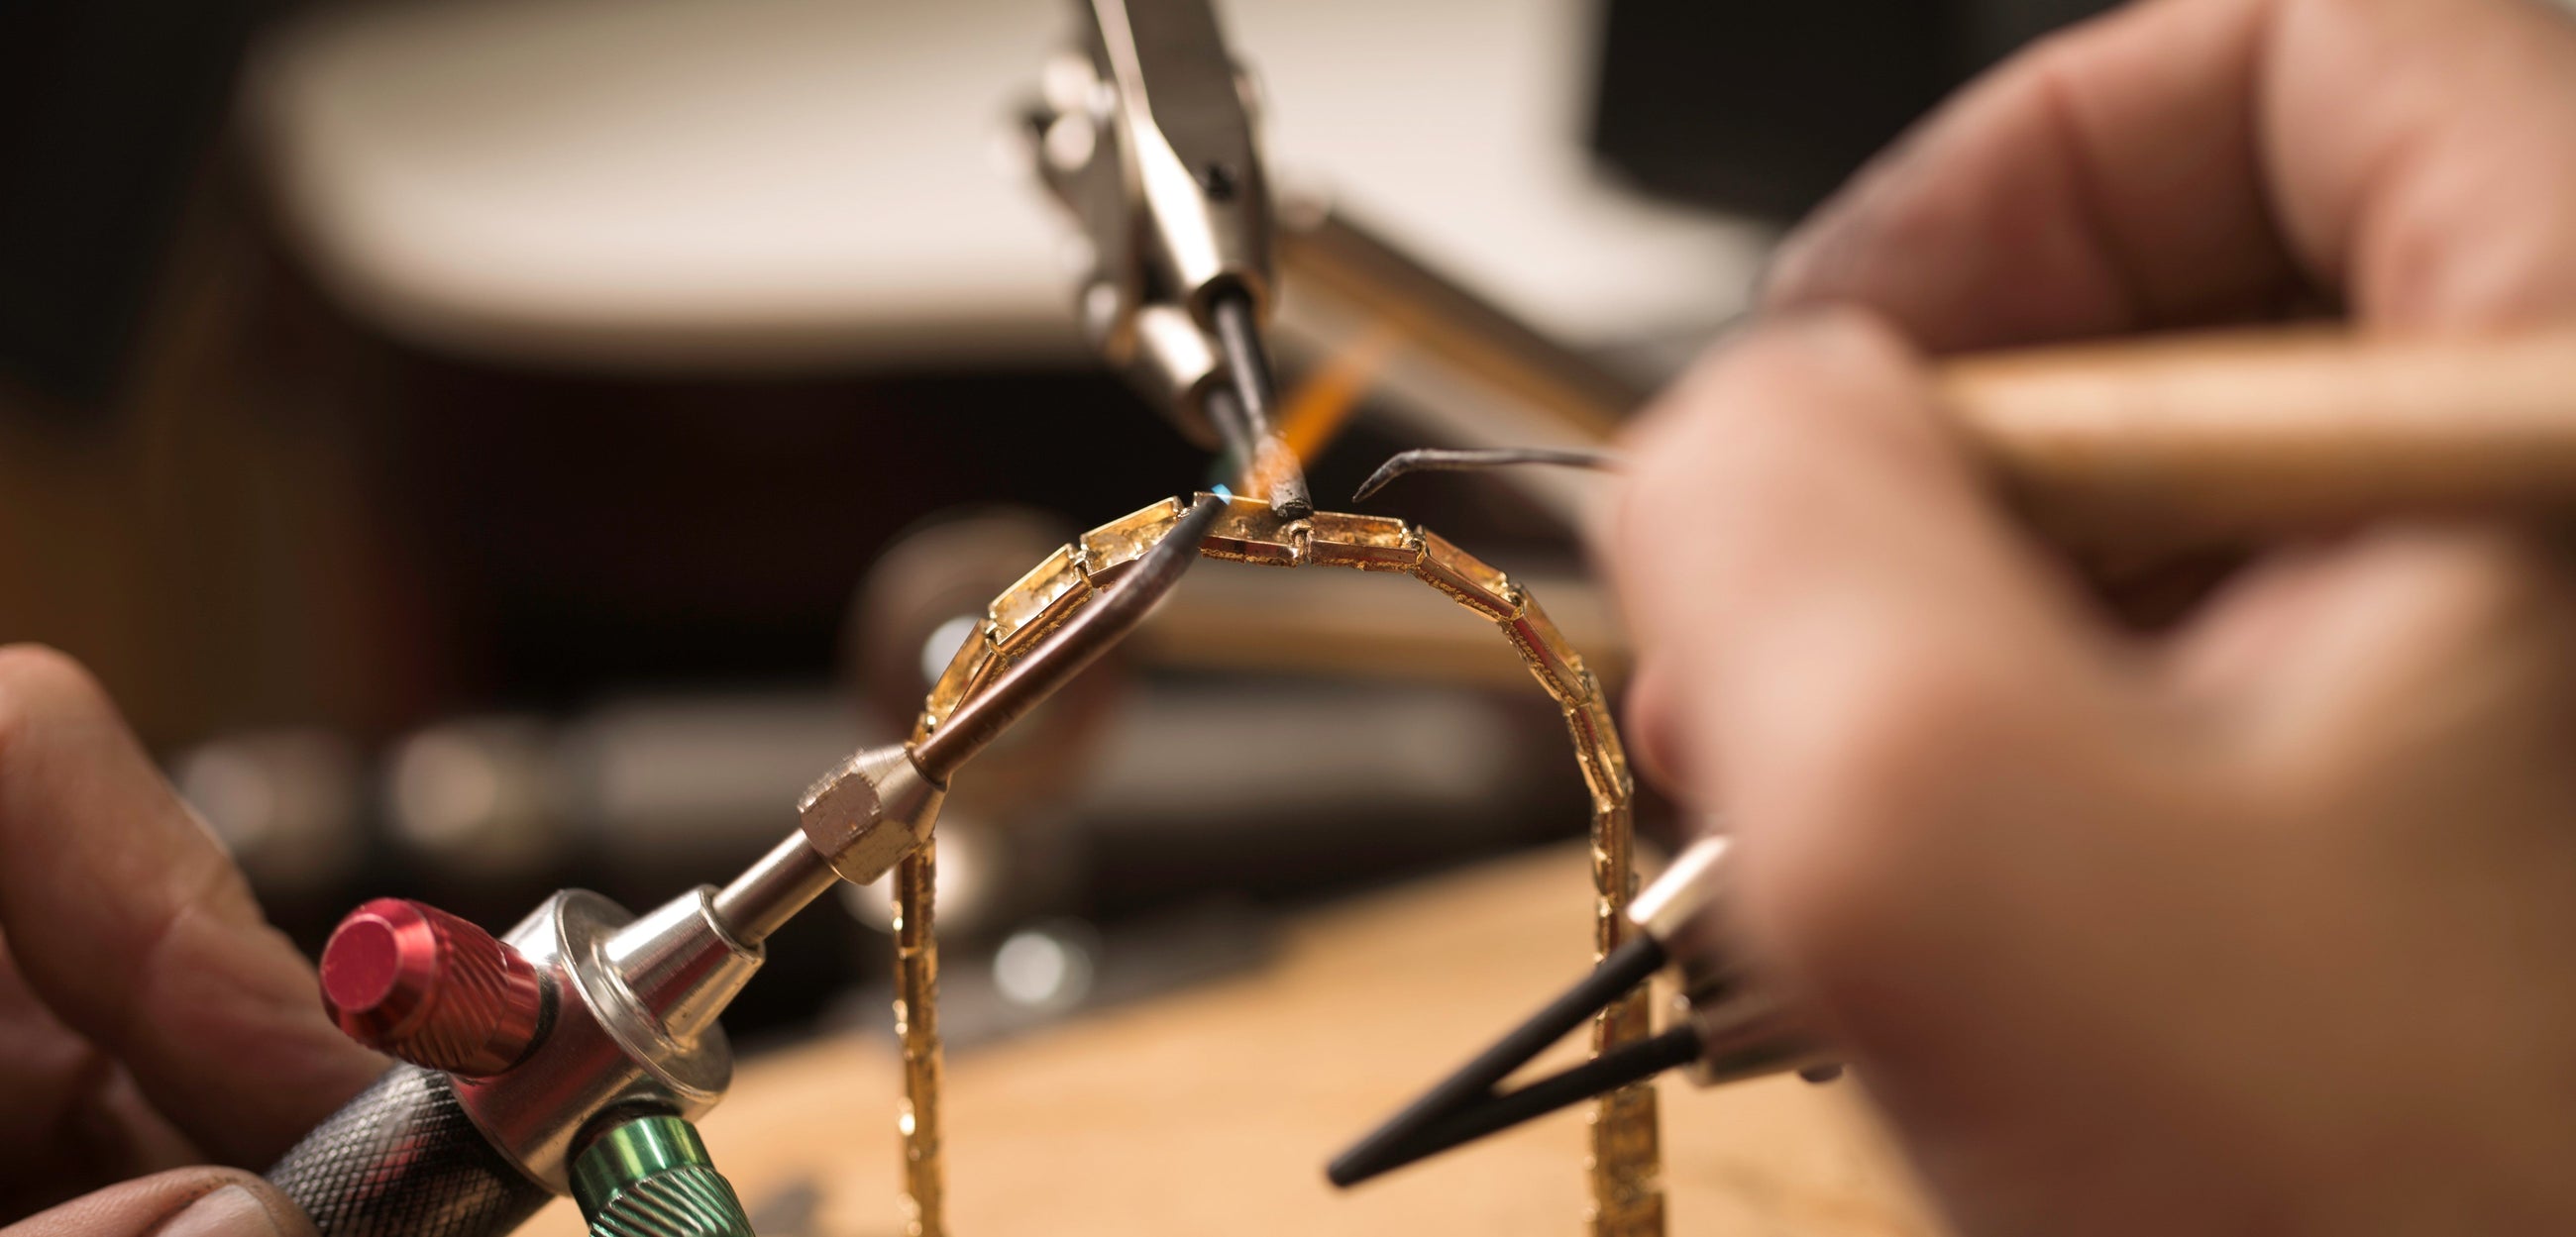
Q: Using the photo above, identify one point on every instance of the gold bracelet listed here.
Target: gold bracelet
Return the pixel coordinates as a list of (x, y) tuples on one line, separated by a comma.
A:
[(1624, 1161)]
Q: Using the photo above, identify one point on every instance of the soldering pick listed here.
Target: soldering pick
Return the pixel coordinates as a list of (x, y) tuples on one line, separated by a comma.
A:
[(1435, 459)]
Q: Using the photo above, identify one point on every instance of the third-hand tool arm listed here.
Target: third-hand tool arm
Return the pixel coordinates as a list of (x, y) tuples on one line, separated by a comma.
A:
[(1145, 134), (570, 1054)]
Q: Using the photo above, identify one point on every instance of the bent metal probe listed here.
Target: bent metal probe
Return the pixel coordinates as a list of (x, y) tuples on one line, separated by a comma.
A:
[(1434, 459)]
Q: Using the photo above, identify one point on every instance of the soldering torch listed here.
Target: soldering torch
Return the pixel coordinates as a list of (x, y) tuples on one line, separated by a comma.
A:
[(569, 1054)]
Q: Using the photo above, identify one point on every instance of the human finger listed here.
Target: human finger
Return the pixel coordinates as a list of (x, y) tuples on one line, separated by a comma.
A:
[(71, 1108), (1650, 731), (126, 916), (2364, 654), (1797, 492), (1850, 619), (2187, 161), (184, 1202)]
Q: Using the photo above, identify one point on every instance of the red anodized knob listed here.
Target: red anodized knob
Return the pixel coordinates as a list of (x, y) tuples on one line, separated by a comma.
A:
[(430, 988)]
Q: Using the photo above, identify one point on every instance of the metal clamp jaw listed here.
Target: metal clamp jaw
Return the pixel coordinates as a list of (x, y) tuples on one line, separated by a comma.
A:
[(1145, 133)]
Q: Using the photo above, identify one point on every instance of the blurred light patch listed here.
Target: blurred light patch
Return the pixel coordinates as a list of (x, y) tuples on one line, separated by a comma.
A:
[(286, 803), (479, 797), (945, 639), (1049, 967)]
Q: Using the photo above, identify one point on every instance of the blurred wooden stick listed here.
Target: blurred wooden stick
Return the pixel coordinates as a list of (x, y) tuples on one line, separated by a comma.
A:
[(2198, 438)]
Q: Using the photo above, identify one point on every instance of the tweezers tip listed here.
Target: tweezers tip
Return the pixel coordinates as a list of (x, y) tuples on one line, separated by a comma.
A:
[(1368, 1159)]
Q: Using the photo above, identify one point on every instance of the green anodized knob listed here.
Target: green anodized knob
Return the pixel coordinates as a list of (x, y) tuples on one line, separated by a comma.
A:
[(650, 1177)]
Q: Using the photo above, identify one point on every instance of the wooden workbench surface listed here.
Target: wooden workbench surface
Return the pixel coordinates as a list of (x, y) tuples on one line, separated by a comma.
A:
[(1213, 1111)]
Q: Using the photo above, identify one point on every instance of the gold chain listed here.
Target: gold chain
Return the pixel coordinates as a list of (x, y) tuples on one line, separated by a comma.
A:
[(1625, 1160)]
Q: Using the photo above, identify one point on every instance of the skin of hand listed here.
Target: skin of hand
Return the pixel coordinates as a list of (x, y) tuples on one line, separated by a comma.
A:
[(2255, 924), (150, 1019)]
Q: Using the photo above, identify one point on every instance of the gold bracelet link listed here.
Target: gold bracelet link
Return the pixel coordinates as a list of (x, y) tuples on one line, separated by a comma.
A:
[(1041, 602), (916, 1020), (1108, 549)]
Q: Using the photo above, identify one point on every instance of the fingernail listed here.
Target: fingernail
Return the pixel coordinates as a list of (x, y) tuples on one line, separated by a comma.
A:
[(228, 1212)]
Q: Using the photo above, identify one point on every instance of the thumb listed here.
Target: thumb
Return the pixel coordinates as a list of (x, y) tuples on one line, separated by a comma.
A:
[(184, 1202)]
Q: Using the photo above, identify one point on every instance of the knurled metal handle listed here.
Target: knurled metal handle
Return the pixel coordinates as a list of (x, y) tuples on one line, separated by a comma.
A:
[(650, 1177), (402, 1159), (414, 982)]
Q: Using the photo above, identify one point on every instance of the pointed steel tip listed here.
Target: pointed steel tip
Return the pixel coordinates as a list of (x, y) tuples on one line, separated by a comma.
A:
[(1424, 459), (1386, 472)]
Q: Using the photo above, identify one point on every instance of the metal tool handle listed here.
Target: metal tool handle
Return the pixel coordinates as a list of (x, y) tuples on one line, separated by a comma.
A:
[(650, 1177), (401, 1159)]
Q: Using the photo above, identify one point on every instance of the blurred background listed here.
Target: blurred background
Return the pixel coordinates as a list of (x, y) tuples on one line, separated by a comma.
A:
[(495, 444)]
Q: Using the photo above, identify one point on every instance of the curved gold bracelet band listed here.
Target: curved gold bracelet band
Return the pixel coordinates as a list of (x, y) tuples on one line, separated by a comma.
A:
[(1625, 1158)]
